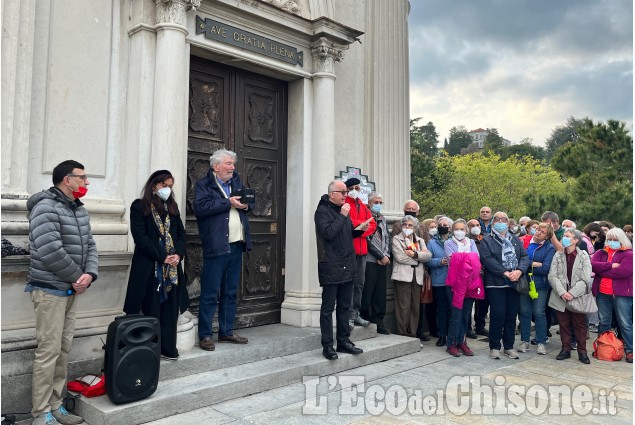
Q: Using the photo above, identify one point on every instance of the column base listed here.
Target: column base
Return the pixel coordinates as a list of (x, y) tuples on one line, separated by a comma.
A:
[(301, 310)]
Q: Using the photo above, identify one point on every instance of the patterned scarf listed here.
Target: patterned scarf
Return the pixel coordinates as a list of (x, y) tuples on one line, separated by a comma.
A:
[(166, 276), (508, 254)]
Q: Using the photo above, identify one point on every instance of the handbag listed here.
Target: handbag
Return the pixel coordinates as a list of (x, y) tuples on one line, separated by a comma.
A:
[(426, 289), (522, 286), (585, 303)]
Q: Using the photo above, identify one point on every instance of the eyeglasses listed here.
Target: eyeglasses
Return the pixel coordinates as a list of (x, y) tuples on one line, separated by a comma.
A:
[(343, 192), (503, 219), (378, 203), (408, 225), (357, 188), (79, 176)]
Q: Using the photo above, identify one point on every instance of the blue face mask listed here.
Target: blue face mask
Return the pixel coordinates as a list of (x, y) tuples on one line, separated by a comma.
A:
[(613, 244), (376, 208), (532, 232), (500, 227), (566, 242)]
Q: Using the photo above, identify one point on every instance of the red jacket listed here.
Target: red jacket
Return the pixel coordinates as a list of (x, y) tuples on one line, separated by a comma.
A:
[(360, 213)]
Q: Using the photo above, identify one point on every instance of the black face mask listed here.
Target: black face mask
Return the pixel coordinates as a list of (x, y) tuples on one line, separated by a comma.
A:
[(410, 213), (443, 230)]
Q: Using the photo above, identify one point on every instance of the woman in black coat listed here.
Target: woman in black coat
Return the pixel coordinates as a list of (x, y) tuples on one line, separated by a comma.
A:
[(157, 286)]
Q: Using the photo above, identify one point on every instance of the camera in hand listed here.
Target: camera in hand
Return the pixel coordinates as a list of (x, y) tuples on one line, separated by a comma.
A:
[(247, 196)]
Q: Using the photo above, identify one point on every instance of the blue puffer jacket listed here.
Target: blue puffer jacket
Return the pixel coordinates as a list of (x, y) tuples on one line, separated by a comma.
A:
[(543, 254), (438, 271), (211, 208)]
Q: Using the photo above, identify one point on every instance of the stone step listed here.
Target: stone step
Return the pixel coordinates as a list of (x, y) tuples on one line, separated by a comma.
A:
[(190, 392)]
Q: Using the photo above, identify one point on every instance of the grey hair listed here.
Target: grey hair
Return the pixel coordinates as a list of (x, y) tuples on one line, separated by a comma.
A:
[(332, 185), (573, 225), (217, 157), (576, 233), (414, 202), (450, 221), (524, 218), (411, 219), (618, 233), (550, 215), (500, 212), (372, 195), (459, 221)]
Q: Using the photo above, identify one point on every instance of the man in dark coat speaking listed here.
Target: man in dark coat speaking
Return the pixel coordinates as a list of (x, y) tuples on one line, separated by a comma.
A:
[(337, 269)]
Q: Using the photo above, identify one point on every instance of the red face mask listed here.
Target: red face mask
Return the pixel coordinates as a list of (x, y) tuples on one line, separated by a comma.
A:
[(80, 192)]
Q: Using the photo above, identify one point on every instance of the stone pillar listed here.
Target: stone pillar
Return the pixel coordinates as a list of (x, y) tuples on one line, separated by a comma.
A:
[(303, 298), (169, 114), (387, 120)]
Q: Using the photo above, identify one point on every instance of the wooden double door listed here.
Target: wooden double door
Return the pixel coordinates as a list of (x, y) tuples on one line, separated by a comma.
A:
[(247, 113)]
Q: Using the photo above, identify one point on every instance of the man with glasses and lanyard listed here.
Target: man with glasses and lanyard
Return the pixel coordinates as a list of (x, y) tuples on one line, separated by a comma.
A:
[(63, 264)]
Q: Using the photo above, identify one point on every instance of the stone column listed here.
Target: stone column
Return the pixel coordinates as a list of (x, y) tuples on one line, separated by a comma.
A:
[(301, 306), (169, 114), (387, 120)]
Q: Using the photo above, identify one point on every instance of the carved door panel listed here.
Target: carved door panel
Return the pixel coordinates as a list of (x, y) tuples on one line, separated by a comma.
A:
[(233, 109)]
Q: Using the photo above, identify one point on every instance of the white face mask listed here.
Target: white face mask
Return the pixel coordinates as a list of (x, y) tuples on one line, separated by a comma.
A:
[(407, 232), (433, 231), (475, 231), (164, 193), (353, 194), (459, 235)]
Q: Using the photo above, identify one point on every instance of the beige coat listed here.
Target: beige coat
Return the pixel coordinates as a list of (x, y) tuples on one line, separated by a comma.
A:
[(402, 264), (580, 277)]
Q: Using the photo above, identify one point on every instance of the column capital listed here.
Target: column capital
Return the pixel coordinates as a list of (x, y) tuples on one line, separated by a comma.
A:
[(173, 11), (325, 55)]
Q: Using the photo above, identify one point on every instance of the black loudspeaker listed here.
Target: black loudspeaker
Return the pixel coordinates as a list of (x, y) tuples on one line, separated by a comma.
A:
[(133, 356)]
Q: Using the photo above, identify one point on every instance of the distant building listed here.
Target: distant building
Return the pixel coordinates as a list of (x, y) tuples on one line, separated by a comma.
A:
[(478, 137)]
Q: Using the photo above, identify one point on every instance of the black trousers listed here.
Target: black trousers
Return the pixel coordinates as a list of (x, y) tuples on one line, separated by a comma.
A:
[(342, 295), (168, 314), (480, 313), (374, 294)]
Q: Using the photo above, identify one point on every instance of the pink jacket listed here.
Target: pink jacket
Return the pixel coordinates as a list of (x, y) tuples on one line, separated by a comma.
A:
[(464, 277)]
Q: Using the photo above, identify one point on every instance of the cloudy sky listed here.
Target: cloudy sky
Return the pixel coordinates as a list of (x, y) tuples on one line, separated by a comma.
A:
[(521, 66)]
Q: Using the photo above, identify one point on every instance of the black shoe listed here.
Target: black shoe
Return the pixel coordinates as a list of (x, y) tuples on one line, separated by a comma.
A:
[(441, 341), (424, 338), (482, 332), (329, 353), (349, 348), (471, 334), (563, 355), (383, 331), (584, 358), (549, 334)]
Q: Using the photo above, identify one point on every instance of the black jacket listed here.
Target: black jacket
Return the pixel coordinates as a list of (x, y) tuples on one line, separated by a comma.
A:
[(336, 254), (141, 283), (491, 251)]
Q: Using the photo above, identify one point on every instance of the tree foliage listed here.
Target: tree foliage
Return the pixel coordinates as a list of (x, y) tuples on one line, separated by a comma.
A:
[(560, 135), (601, 162), (463, 184), (523, 150), (424, 138), (493, 141), (459, 139)]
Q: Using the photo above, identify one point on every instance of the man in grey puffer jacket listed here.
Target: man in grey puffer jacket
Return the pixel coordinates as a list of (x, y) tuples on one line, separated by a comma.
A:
[(63, 265)]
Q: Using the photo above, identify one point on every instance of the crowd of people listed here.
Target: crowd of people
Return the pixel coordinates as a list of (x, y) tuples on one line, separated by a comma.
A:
[(528, 274)]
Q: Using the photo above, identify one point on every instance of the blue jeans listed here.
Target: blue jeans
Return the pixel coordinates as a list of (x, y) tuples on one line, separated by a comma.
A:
[(624, 311), (443, 309), (459, 319), (537, 307), (503, 309), (219, 285)]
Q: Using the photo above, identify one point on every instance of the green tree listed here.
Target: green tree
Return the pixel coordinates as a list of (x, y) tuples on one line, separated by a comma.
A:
[(523, 150), (493, 141), (424, 138), (466, 183), (459, 139), (600, 161), (562, 134)]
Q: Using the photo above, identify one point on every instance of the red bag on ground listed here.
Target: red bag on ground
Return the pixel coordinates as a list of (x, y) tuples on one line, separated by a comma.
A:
[(89, 385), (608, 347)]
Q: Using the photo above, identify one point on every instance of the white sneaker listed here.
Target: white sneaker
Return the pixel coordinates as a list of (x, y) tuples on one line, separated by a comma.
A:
[(495, 354), (541, 349), (512, 354), (45, 418), (523, 347)]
